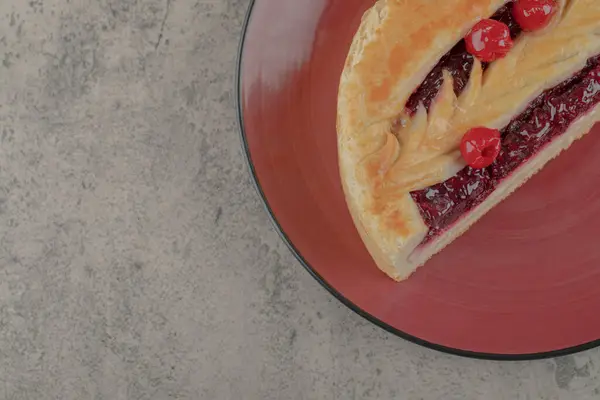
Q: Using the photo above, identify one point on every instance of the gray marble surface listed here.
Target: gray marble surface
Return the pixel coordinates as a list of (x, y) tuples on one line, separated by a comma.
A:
[(136, 260)]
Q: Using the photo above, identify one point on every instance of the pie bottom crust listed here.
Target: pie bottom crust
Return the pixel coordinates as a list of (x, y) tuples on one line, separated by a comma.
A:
[(408, 257)]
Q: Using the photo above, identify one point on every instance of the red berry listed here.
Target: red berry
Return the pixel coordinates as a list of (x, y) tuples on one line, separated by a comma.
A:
[(533, 15), (489, 40), (480, 147)]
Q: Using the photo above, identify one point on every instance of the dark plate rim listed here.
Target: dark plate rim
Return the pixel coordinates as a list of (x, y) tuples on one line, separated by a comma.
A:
[(330, 288)]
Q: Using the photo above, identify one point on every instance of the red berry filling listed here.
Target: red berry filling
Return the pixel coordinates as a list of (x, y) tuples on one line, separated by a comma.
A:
[(546, 118)]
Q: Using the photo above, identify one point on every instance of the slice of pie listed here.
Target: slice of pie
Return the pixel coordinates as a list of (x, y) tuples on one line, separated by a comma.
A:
[(446, 107)]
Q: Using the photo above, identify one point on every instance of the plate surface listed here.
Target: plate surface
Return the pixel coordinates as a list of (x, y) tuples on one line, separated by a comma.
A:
[(524, 282)]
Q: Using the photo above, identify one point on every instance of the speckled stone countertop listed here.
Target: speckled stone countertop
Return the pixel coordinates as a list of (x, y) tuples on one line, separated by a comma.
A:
[(136, 260)]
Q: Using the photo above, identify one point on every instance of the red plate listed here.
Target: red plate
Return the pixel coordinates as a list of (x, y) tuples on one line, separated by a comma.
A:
[(523, 283)]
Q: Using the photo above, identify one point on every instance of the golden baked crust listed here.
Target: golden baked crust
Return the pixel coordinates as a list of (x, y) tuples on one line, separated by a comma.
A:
[(383, 155), (397, 44)]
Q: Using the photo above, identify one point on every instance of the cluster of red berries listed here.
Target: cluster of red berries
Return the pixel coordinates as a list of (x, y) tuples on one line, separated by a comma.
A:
[(490, 40)]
